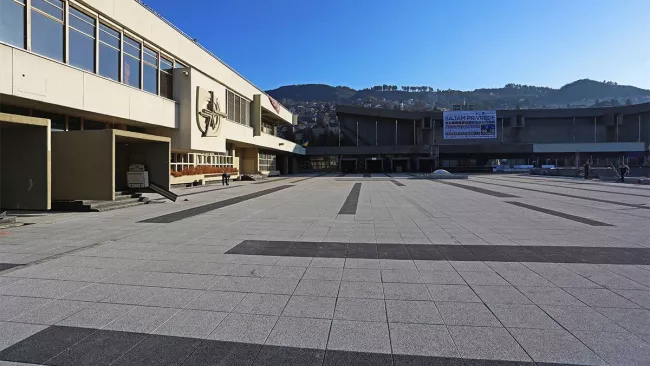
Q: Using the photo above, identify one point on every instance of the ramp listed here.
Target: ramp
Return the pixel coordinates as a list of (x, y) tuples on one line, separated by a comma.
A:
[(163, 192)]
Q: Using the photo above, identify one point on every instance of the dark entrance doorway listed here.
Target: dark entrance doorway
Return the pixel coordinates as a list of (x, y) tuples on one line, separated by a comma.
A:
[(401, 165), (374, 166), (348, 166), (426, 165)]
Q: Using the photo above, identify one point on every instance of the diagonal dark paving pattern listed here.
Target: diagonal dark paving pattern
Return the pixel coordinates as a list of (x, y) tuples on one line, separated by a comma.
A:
[(568, 195), (531, 181), (271, 180), (58, 345), (399, 184), (6, 266), (477, 189), (563, 215), (208, 190), (350, 205), (436, 252), (190, 212)]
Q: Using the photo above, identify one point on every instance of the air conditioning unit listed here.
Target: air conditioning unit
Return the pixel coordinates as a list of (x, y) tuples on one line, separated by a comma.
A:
[(427, 124)]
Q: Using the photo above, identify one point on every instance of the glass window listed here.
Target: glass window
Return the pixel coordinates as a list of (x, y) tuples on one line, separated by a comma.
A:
[(166, 85), (12, 22), (150, 70), (47, 28), (131, 62), (179, 65), (109, 52), (230, 105), (82, 40)]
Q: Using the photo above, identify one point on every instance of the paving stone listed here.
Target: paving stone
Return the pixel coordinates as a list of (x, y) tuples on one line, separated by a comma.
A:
[(454, 293), (11, 333), (191, 323), (442, 277), (292, 273), (327, 262), (467, 313), (300, 332), (317, 288), (361, 274), (575, 318), (422, 339), (249, 270), (217, 301), (96, 315), (601, 297), (13, 306), (423, 312), (406, 291), (617, 348), (141, 319), (310, 307), (265, 304), (348, 335), (634, 320), (500, 295), (639, 297), (401, 276), (487, 343), (244, 328), (95, 292), (362, 290), (549, 296), (134, 295), (323, 274), (51, 312), (483, 278), (281, 286), (234, 283), (555, 346), (172, 297), (522, 316), (362, 263), (360, 309)]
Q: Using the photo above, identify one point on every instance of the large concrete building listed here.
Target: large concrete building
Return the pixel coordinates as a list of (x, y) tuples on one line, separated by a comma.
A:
[(89, 87), (384, 140)]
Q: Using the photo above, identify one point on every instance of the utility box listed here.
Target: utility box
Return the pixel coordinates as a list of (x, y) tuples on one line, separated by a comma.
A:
[(137, 176)]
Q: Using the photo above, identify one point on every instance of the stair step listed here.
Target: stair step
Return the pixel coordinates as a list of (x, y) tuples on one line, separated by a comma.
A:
[(114, 203), (121, 204)]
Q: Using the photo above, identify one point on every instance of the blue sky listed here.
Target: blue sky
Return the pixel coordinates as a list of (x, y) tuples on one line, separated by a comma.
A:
[(458, 44)]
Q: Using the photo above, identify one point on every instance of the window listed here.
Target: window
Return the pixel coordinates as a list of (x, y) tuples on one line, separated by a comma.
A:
[(150, 70), (47, 28), (268, 128), (267, 162), (179, 65), (237, 108), (12, 22), (82, 40), (109, 52), (166, 85), (131, 65)]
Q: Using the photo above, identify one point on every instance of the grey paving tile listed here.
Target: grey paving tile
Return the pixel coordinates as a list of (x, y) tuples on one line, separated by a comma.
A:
[(487, 343), (292, 273), (639, 297), (360, 309), (396, 264), (96, 315), (134, 295), (141, 319), (454, 293), (294, 261), (500, 295), (575, 318), (470, 266), (52, 289), (217, 301), (401, 276), (300, 332), (264, 304), (51, 312), (323, 274), (249, 270), (483, 278), (423, 312), (172, 297), (555, 346), (601, 297), (234, 283), (406, 291), (310, 307), (361, 274), (467, 313), (634, 320), (16, 332), (244, 328), (617, 348), (196, 281), (522, 316), (13, 306), (95, 292), (348, 335), (362, 263), (422, 339), (191, 323), (362, 290), (434, 266), (327, 262), (549, 296), (317, 288), (442, 277), (281, 286)]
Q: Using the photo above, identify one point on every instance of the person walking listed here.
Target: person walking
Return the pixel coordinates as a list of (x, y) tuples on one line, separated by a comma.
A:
[(586, 168), (623, 169), (224, 179)]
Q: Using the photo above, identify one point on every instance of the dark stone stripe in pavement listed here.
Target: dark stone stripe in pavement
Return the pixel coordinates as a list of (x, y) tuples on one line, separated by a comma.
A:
[(6, 266), (190, 212), (58, 345), (477, 189), (397, 183), (568, 195), (563, 215), (350, 205), (271, 180), (437, 252), (531, 181)]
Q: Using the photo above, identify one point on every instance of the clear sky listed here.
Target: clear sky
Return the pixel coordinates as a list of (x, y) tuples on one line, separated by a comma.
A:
[(458, 44)]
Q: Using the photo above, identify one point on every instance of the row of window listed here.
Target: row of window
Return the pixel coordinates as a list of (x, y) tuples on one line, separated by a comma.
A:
[(266, 162), (268, 128), (238, 109), (180, 161), (141, 66)]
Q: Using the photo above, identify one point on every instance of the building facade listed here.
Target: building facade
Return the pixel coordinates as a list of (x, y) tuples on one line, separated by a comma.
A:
[(383, 140), (116, 73)]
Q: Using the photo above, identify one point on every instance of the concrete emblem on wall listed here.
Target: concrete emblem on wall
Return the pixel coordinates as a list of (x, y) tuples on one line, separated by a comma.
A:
[(208, 113)]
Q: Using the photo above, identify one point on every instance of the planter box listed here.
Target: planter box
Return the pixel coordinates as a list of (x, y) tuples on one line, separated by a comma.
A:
[(188, 179)]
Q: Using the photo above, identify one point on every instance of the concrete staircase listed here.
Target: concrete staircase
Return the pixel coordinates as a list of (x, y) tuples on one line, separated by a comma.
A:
[(122, 200)]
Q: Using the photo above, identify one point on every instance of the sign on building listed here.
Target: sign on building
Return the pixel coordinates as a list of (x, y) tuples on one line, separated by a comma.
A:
[(465, 125), (208, 113)]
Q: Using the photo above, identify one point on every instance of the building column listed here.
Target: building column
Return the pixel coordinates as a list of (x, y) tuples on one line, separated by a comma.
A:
[(577, 160), (285, 164), (256, 115)]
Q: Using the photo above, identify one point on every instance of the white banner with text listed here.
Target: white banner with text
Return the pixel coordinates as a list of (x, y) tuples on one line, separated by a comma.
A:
[(466, 125)]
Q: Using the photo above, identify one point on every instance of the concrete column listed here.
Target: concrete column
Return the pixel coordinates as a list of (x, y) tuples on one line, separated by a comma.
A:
[(256, 114), (285, 165), (577, 160)]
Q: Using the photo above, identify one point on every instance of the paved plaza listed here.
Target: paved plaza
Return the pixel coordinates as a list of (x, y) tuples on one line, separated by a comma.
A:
[(337, 270)]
